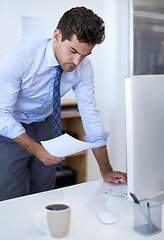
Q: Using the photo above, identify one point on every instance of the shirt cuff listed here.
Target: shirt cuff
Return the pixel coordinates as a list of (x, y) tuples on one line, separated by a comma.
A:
[(100, 140)]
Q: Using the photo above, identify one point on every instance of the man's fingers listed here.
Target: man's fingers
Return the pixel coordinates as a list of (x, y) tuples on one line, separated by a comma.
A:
[(115, 176), (55, 160)]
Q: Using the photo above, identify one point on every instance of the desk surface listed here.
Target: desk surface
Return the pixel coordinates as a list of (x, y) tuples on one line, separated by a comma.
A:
[(17, 216)]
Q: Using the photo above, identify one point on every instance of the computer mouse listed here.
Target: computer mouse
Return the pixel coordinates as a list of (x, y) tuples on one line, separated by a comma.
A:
[(107, 217)]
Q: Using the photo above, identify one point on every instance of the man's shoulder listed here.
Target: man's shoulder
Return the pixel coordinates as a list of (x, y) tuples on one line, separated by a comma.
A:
[(85, 63), (26, 53), (29, 47)]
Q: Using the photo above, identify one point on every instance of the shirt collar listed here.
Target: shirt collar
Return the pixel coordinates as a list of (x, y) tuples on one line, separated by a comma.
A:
[(51, 59)]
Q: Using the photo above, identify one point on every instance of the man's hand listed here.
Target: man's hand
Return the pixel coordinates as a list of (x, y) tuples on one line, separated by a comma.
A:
[(46, 157), (106, 169), (37, 149), (114, 176)]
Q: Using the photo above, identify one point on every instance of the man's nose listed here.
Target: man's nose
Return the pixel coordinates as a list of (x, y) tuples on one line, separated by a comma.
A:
[(77, 59)]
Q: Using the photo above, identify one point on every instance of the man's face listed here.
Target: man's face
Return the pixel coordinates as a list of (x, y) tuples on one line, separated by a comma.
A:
[(69, 53)]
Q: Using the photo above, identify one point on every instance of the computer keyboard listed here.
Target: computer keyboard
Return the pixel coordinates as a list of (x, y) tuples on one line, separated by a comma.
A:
[(118, 190)]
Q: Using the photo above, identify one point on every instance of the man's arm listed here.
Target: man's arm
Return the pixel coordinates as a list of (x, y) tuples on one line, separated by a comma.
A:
[(36, 149), (106, 170)]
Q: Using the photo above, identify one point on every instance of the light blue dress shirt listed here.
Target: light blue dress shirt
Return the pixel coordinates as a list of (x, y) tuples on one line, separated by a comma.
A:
[(26, 90)]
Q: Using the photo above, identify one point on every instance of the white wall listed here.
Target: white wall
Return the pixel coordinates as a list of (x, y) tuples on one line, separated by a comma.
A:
[(114, 62), (110, 60)]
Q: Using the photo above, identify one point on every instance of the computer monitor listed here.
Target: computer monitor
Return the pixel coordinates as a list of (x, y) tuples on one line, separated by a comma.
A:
[(144, 104)]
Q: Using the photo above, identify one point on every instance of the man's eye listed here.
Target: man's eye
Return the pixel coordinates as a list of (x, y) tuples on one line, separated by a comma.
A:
[(73, 51)]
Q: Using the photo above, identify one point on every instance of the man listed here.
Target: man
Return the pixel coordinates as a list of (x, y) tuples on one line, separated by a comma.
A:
[(27, 73)]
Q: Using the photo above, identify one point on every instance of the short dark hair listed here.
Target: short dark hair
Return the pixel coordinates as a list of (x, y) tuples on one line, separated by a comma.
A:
[(87, 26)]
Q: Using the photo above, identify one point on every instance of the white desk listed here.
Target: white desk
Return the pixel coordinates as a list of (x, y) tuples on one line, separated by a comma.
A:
[(17, 216)]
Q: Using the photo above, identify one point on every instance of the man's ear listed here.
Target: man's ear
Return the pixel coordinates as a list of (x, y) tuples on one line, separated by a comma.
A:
[(57, 36)]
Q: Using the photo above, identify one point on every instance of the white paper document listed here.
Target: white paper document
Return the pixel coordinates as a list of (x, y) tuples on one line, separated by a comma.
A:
[(65, 145), (34, 27)]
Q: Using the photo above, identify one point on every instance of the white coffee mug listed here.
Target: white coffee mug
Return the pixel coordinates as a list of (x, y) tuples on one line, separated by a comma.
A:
[(58, 219)]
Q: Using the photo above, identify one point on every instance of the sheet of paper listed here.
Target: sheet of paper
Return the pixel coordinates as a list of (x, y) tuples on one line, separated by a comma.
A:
[(34, 27), (65, 145)]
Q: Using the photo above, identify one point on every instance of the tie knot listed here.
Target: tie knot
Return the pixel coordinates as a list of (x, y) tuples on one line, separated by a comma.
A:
[(59, 70)]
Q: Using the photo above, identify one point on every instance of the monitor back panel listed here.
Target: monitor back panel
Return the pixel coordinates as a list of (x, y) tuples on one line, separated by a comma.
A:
[(144, 103)]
